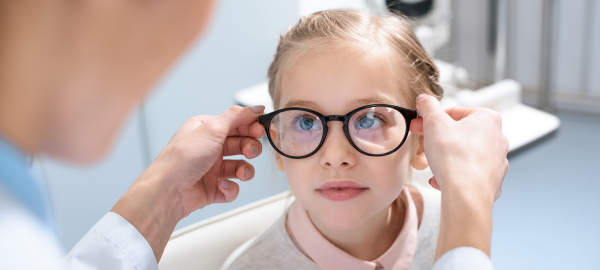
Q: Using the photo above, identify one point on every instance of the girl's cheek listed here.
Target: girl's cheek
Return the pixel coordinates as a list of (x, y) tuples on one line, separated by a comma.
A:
[(298, 175), (392, 169)]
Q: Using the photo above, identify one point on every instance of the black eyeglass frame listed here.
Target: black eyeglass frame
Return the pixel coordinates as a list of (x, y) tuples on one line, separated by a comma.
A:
[(408, 115)]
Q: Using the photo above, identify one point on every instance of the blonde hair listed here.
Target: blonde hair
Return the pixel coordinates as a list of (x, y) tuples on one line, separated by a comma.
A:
[(364, 32)]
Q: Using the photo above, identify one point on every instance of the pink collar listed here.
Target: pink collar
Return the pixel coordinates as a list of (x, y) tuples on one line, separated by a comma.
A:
[(329, 257)]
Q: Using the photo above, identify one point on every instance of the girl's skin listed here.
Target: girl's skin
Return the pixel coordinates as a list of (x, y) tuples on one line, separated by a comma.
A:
[(334, 83)]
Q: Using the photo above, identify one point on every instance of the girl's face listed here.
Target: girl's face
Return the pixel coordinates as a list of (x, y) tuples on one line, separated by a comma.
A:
[(340, 187)]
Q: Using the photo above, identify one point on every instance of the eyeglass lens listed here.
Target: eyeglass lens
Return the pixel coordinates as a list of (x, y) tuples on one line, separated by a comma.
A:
[(296, 133), (375, 130)]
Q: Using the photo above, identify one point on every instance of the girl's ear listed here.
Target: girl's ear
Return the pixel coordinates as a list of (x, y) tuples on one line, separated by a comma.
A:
[(279, 159), (419, 161)]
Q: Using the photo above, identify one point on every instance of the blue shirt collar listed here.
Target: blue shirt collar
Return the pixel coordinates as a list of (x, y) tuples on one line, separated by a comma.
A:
[(16, 179)]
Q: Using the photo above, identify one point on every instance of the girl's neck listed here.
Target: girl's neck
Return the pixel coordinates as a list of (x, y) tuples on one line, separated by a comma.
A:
[(372, 238)]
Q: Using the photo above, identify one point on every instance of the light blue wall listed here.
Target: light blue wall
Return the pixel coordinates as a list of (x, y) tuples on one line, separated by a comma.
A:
[(232, 55)]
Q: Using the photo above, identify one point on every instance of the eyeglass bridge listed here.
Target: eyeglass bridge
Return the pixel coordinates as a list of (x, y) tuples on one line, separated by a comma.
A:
[(329, 118)]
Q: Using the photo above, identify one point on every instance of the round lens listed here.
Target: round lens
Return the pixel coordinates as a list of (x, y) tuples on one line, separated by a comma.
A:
[(377, 130), (296, 133)]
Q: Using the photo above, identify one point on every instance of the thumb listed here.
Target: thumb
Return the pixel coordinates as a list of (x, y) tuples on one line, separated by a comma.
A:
[(239, 116), (428, 106)]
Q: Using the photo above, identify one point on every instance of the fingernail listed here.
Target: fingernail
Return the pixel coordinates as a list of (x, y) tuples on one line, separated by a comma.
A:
[(257, 108), (225, 183), (421, 96), (248, 173), (253, 151)]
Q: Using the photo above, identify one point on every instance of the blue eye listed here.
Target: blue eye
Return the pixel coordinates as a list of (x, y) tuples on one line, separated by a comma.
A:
[(368, 122), (306, 123)]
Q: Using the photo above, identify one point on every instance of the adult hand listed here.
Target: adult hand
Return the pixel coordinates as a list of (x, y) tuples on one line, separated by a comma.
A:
[(190, 173), (462, 144), (466, 151)]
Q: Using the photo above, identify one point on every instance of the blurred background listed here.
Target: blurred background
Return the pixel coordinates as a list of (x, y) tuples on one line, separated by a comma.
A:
[(547, 217)]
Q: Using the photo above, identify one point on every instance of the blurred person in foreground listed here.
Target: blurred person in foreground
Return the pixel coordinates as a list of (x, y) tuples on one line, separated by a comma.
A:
[(71, 72)]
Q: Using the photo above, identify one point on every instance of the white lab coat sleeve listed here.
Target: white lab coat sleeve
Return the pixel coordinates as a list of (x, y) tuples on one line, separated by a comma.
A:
[(463, 258), (24, 242), (113, 243)]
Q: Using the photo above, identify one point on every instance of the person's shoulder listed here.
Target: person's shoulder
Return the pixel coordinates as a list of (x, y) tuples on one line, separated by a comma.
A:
[(23, 236), (273, 249), (430, 201)]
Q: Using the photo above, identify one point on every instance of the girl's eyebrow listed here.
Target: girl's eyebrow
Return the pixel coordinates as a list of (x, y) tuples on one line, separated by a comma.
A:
[(301, 103), (372, 100), (354, 103)]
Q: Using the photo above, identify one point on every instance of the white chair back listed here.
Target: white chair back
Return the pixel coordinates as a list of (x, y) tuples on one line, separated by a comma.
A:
[(206, 244)]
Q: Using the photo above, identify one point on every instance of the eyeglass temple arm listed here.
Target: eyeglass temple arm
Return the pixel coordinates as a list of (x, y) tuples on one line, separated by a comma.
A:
[(411, 114), (264, 120)]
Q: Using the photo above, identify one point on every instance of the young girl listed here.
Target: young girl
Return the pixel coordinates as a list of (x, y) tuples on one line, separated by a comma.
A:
[(343, 84)]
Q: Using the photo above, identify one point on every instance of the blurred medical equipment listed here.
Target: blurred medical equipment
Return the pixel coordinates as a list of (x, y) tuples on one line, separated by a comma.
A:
[(208, 243)]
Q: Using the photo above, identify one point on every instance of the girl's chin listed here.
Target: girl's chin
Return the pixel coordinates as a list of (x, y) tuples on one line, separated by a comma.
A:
[(340, 221)]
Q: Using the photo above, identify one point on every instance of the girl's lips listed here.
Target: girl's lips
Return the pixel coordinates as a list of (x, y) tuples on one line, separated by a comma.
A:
[(341, 190)]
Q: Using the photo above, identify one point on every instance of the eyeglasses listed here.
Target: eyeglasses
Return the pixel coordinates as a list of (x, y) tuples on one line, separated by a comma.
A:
[(373, 130)]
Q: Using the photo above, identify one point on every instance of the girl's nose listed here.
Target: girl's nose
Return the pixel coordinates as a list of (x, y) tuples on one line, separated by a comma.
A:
[(336, 151)]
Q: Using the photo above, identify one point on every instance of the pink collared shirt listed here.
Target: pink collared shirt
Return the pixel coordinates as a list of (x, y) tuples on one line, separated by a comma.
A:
[(329, 257)]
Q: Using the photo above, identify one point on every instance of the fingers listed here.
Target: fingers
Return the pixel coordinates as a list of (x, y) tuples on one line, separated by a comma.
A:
[(480, 113), (228, 191), (416, 125), (254, 130), (249, 147), (433, 182), (236, 121), (458, 113), (237, 117), (239, 169), (428, 106)]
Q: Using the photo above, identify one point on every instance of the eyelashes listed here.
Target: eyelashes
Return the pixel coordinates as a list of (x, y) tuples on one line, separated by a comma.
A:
[(306, 122)]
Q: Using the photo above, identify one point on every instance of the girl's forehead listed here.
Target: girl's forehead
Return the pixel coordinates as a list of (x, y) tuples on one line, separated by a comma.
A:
[(335, 82)]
